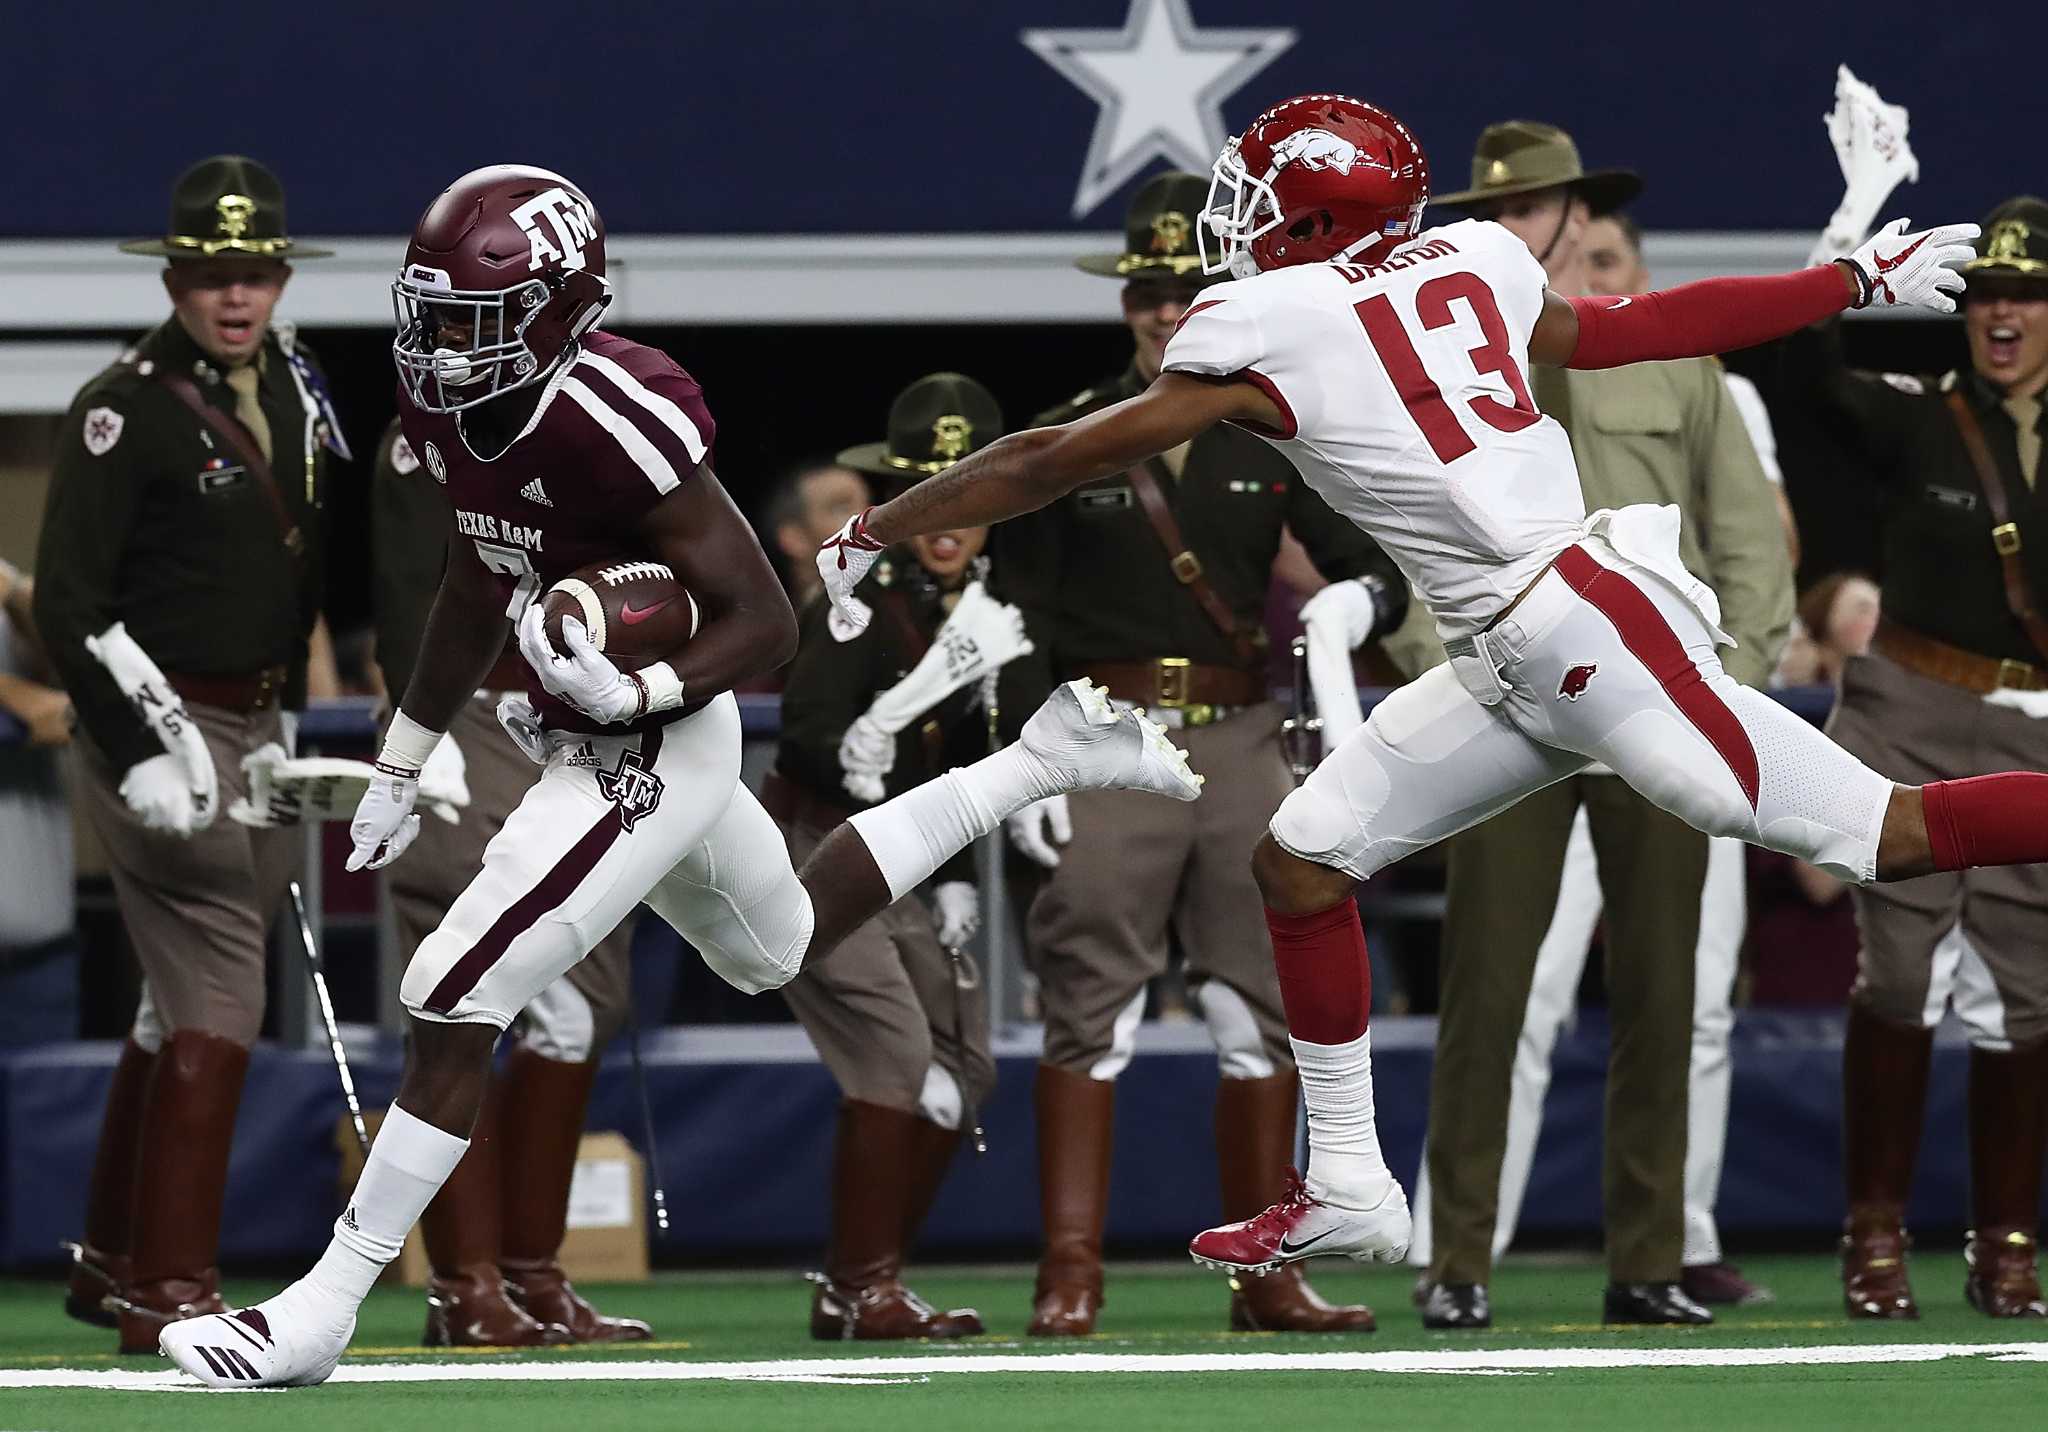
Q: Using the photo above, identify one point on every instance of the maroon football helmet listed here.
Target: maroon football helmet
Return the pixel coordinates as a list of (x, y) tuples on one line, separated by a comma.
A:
[(504, 273), (1319, 178)]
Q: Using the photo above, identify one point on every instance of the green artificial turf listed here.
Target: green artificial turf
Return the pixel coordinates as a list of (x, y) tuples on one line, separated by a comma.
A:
[(759, 1319)]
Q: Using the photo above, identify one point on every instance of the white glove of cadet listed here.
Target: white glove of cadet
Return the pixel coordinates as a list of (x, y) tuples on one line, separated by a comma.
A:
[(585, 678), (1902, 270), (843, 560), (1346, 608), (958, 907), (444, 781), (1869, 139), (867, 754), (159, 792), (980, 636), (1041, 828)]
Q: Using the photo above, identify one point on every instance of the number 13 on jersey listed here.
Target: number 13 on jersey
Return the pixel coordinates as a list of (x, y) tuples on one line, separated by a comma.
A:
[(1440, 424)]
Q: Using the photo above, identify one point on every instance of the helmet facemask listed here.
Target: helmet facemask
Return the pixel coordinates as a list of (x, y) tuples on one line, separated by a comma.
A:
[(1245, 209), (456, 348)]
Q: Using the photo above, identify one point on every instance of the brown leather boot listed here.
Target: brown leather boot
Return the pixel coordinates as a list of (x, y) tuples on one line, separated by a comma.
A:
[(2008, 1122), (1255, 1124), (1076, 1118), (544, 1103), (932, 1147), (1884, 1095), (181, 1177), (100, 1265), (468, 1304), (861, 1296)]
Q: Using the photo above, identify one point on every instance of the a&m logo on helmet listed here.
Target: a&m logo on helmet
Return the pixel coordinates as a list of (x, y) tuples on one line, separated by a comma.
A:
[(557, 225), (1317, 149)]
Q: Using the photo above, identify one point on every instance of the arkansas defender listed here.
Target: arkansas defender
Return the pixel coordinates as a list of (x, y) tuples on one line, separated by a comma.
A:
[(1390, 365), (562, 445)]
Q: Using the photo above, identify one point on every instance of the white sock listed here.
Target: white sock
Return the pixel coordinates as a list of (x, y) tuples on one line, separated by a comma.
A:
[(1345, 1166), (911, 836), (408, 1164)]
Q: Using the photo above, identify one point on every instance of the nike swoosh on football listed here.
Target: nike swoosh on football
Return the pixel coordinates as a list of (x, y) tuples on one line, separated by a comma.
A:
[(1286, 1247), (633, 616)]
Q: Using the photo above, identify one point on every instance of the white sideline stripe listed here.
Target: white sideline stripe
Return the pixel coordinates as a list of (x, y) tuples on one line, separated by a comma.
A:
[(1482, 1362)]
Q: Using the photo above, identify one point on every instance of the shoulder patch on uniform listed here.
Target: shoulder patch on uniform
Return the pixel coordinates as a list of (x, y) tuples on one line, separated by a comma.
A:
[(1905, 383), (842, 626), (403, 459), (102, 430)]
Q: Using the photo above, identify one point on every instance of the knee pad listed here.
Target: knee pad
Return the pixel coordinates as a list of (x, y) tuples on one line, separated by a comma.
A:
[(941, 1101), (560, 1024), (1240, 1047), (761, 946)]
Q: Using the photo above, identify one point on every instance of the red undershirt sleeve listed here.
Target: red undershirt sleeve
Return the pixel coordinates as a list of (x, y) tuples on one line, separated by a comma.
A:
[(1696, 320)]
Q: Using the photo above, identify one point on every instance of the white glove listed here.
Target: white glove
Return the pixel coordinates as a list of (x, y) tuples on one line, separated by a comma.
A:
[(385, 825), (958, 907), (260, 807), (522, 724), (1041, 828), (444, 781), (1902, 270), (979, 637), (158, 705), (286, 790), (157, 790), (1869, 139), (867, 754), (1345, 608), (585, 678), (843, 560)]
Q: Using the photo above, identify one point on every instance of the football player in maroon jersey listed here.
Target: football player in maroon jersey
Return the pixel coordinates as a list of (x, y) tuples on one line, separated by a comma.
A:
[(563, 445)]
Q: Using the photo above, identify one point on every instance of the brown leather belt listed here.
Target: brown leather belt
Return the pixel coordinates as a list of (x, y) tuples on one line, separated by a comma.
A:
[(790, 804), (1953, 666), (255, 691), (1201, 692)]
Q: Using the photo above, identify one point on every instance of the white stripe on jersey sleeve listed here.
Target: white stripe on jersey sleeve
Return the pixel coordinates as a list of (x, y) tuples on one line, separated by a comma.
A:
[(663, 407), (646, 454)]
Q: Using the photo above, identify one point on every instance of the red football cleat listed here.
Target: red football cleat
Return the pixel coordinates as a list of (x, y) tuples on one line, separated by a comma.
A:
[(1302, 1226)]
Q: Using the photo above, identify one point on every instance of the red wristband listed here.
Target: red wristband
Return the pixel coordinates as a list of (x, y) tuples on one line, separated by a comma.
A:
[(1716, 315)]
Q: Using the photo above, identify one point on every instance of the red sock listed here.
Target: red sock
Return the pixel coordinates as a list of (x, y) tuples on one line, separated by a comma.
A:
[(1325, 980), (1987, 820)]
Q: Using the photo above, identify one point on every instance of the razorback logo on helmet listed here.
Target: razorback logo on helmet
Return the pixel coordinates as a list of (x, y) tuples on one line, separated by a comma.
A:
[(1576, 680), (1317, 149), (571, 219)]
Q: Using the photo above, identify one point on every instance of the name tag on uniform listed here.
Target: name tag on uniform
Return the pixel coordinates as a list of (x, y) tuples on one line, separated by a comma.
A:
[(1105, 499), (1958, 498), (221, 479)]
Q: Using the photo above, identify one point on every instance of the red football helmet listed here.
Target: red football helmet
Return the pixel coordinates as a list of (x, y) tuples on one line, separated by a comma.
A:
[(1319, 178), (504, 273)]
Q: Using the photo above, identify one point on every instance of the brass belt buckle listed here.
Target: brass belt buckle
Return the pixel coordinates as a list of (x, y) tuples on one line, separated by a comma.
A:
[(1187, 567), (2015, 675), (1173, 680), (2006, 538)]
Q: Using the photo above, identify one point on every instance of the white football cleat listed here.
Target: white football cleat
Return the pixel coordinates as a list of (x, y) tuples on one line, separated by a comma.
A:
[(1090, 745), (1303, 1226), (290, 1341)]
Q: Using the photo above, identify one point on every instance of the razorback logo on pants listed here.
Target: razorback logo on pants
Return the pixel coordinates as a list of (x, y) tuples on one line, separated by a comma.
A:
[(1576, 680)]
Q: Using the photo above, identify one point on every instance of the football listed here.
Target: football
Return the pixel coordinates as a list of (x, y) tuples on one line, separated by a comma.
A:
[(636, 612)]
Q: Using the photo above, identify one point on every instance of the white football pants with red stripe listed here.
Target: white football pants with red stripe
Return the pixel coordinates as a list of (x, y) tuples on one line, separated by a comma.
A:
[(660, 816), (1602, 660)]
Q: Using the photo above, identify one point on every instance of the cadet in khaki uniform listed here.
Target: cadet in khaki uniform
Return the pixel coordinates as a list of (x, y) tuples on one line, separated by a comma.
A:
[(493, 1231), (903, 1027), (181, 564), (1657, 432), (1153, 583), (1955, 684)]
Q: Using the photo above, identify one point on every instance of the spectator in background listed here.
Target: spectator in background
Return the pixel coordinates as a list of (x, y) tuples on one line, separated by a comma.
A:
[(1838, 618), (1512, 947), (809, 506), (38, 903), (180, 575)]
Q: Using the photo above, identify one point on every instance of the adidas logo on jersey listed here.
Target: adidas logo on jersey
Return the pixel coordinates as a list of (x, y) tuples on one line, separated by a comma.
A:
[(533, 492)]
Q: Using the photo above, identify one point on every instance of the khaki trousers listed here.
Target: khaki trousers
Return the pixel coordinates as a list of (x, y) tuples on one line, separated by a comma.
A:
[(1503, 885)]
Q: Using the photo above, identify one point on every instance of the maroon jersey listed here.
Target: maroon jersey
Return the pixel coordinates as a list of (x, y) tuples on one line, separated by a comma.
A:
[(618, 428)]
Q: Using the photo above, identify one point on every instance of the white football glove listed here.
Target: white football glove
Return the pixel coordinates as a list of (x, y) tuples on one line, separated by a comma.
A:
[(522, 724), (1902, 270), (585, 678), (957, 908), (385, 824), (867, 754), (444, 781), (159, 792), (1869, 139), (1041, 828), (843, 560)]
